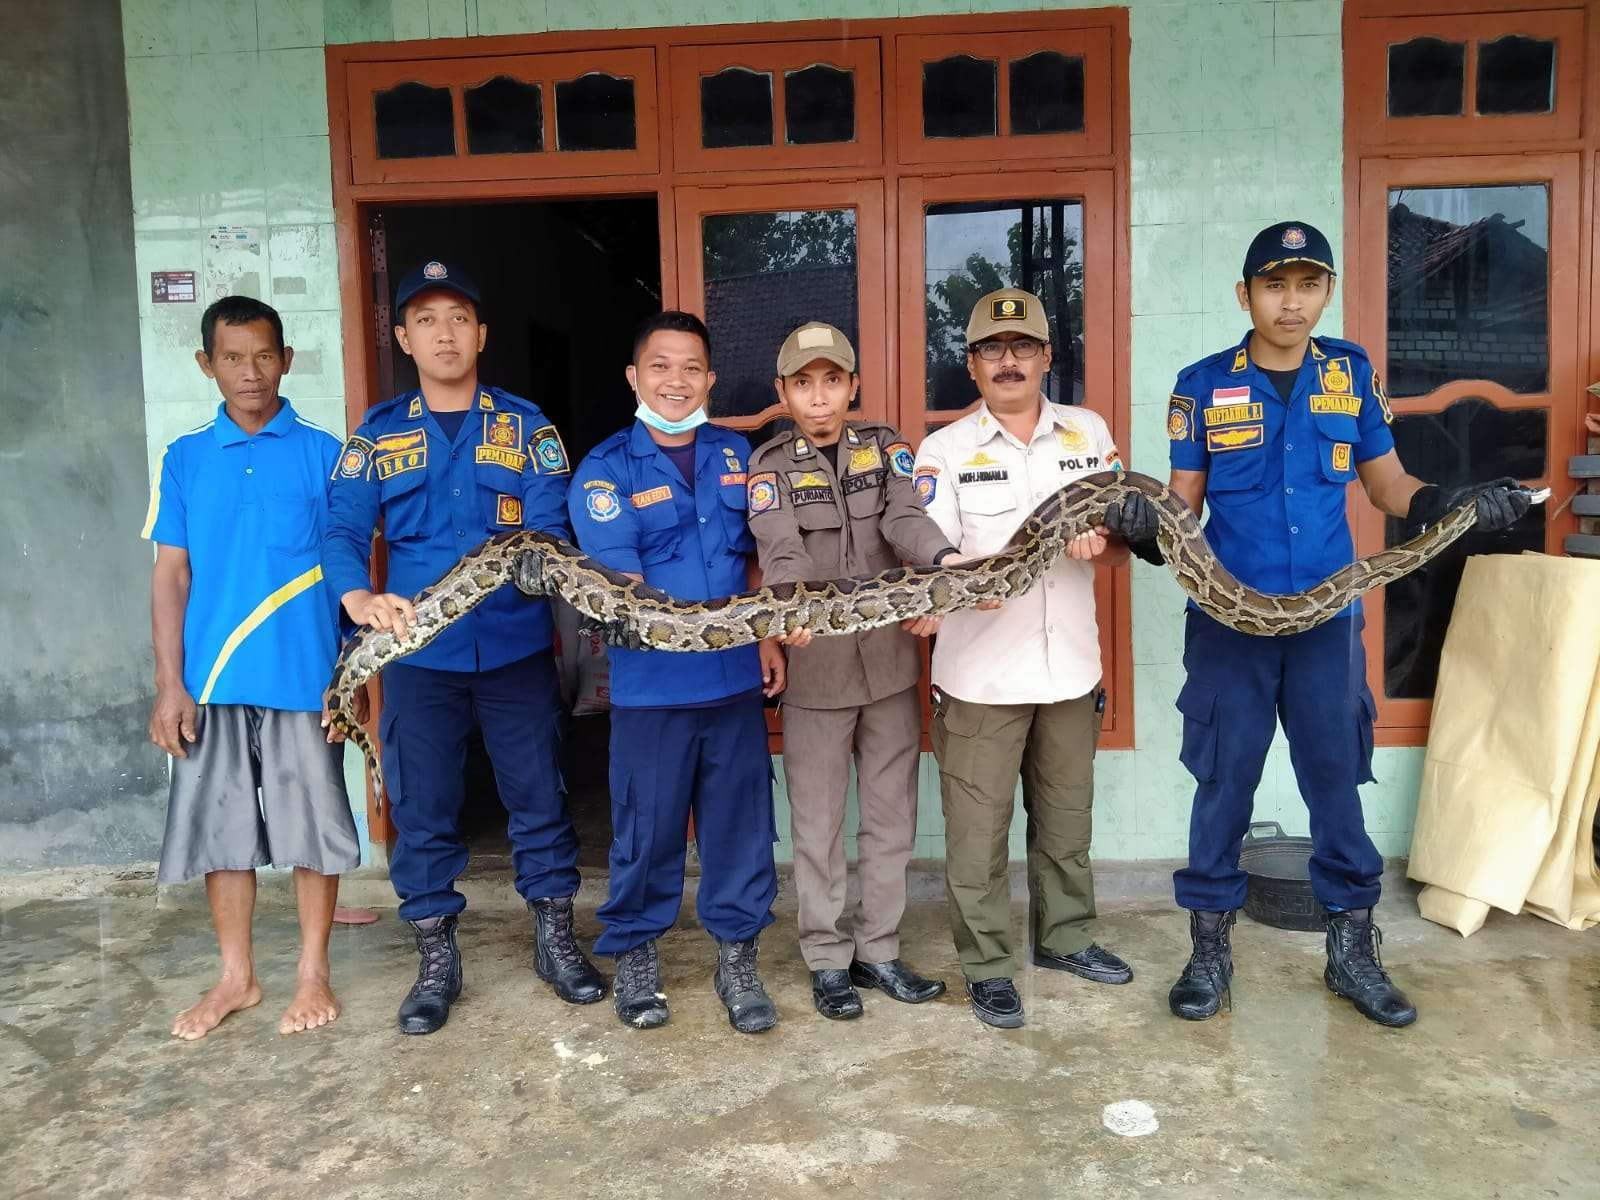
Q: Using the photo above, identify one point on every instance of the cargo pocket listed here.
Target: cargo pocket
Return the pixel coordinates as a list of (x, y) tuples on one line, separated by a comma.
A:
[(625, 822), (1366, 715), (1337, 435), (1198, 702), (958, 746)]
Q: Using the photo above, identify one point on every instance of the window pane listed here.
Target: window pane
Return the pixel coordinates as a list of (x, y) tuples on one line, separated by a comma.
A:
[(1047, 94), (1472, 441), (736, 108), (819, 105), (765, 274), (1426, 78), (1468, 273), (505, 116), (959, 97), (414, 120), (595, 112), (1516, 75), (973, 249)]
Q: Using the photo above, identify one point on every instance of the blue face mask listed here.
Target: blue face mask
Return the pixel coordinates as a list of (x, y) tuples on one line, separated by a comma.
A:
[(661, 425)]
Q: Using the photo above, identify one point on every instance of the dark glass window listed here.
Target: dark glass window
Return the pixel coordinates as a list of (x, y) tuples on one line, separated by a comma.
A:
[(973, 249), (766, 273), (505, 116), (959, 97), (736, 108), (819, 105), (1516, 75), (1047, 93), (414, 120), (1427, 78), (1471, 441), (595, 112), (1468, 275)]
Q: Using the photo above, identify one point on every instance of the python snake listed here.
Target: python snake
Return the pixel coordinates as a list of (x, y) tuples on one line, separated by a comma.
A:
[(541, 565)]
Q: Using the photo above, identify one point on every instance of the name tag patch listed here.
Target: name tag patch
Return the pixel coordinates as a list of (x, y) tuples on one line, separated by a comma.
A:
[(653, 495), (1087, 463), (986, 475), (390, 465), (733, 477), (1349, 406), (811, 495), (508, 510), (1232, 414), (513, 460), (1237, 437), (862, 483)]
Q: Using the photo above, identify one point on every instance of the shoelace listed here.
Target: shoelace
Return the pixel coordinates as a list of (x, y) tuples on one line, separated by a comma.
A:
[(1366, 960), (436, 957), (739, 969), (636, 971), (562, 944), (1210, 949)]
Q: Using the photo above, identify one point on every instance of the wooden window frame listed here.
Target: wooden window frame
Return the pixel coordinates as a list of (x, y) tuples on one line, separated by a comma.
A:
[(1561, 149), (690, 64), (1101, 35)]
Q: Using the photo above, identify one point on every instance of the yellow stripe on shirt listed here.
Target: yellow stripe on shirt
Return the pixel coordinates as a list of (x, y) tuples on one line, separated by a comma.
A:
[(155, 494), (251, 623)]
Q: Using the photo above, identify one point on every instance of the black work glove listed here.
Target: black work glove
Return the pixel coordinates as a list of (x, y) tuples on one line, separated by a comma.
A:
[(1500, 503), (1133, 518), (613, 633)]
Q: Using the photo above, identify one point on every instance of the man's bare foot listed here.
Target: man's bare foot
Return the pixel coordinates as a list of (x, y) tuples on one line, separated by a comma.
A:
[(229, 995), (313, 1006)]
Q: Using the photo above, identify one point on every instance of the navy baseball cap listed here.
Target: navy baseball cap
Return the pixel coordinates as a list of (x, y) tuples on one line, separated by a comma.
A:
[(434, 275), (1288, 242)]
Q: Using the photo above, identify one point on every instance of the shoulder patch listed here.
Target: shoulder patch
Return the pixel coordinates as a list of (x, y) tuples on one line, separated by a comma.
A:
[(927, 484), (353, 458), (1180, 411), (600, 500), (1382, 399), (546, 447), (901, 459), (761, 492)]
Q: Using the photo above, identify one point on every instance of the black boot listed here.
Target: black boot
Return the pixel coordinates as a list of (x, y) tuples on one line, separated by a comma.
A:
[(637, 991), (556, 956), (427, 1005), (832, 993), (750, 1009), (1205, 980), (1356, 972)]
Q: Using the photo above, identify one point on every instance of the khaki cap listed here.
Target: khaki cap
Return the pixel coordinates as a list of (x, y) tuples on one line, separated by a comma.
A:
[(1010, 310), (812, 341)]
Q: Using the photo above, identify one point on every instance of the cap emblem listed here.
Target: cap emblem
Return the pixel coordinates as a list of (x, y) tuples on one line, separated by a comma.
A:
[(434, 270), (1010, 309), (1294, 238)]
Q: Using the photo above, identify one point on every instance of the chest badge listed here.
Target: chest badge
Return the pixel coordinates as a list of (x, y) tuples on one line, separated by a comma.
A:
[(1073, 441), (1336, 375), (508, 510), (501, 431), (865, 458), (502, 442)]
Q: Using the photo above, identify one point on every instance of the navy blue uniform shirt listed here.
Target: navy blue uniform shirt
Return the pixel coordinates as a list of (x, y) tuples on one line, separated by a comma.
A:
[(440, 497), (632, 511), (1276, 472)]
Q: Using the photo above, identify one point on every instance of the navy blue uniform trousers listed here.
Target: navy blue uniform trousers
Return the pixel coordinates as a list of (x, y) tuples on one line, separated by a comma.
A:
[(1238, 688), (665, 764), (427, 717)]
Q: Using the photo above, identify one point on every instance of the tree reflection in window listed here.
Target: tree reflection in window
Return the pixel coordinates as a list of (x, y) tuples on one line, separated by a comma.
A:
[(1427, 78), (736, 108), (595, 112), (959, 97), (765, 274), (1046, 93), (413, 120), (819, 105), (973, 249), (505, 116), (1471, 441), (1468, 281)]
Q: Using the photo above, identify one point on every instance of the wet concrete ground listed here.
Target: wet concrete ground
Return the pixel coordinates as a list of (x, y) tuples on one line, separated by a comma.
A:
[(1493, 1093)]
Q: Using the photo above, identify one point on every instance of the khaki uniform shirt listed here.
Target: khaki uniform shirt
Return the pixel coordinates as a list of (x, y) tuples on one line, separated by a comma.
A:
[(813, 523), (979, 483)]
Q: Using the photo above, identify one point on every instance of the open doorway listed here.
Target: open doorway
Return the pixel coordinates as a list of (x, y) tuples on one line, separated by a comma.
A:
[(564, 285)]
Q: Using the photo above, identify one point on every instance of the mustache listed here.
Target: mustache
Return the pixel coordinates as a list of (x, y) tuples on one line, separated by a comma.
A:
[(1010, 377)]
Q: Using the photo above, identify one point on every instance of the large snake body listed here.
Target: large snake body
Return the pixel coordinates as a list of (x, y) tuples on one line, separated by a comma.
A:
[(541, 565)]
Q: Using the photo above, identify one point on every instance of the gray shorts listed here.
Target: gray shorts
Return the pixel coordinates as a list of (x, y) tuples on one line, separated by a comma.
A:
[(260, 787)]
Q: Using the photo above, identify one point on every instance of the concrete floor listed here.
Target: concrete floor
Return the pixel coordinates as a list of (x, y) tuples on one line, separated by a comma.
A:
[(1494, 1092)]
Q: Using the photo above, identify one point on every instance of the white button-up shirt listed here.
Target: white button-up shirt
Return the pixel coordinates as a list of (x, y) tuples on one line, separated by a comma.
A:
[(980, 483)]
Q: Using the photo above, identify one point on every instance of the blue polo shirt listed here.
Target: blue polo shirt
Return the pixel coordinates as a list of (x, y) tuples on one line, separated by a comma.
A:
[(260, 627), (1277, 473), (632, 510), (440, 496)]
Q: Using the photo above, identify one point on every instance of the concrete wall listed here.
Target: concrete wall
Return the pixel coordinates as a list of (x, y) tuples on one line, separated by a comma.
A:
[(229, 126), (78, 782)]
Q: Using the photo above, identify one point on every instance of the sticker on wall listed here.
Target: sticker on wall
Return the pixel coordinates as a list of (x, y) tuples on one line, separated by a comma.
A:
[(235, 237), (172, 287)]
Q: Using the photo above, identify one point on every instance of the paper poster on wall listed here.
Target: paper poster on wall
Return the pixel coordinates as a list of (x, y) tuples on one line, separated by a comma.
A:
[(235, 237), (172, 287)]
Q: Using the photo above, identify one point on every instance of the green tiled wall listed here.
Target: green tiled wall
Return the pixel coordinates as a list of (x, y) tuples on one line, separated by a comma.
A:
[(229, 126)]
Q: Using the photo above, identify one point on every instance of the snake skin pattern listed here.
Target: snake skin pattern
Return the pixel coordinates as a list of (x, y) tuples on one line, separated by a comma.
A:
[(541, 565)]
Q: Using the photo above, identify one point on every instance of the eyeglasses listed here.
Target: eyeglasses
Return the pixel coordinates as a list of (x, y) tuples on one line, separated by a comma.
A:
[(1022, 348)]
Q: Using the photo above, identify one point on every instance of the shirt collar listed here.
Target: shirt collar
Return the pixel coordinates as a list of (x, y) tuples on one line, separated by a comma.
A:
[(990, 427), (229, 434)]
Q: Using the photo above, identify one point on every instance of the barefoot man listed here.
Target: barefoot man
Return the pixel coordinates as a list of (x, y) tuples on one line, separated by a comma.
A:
[(245, 636)]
